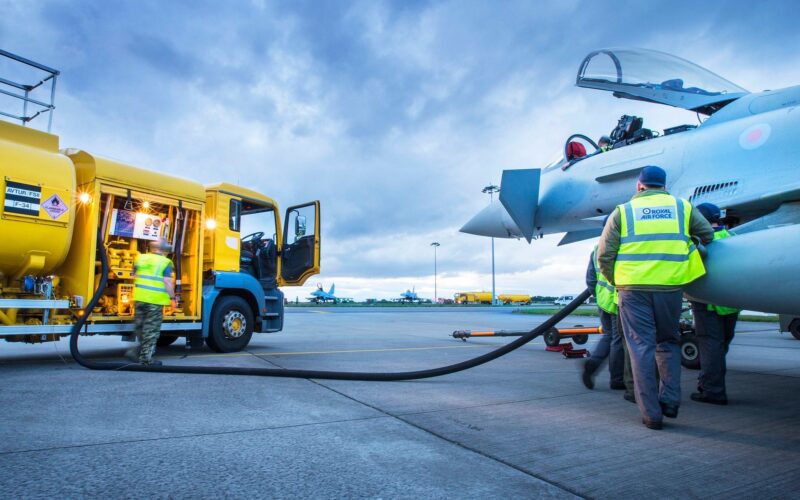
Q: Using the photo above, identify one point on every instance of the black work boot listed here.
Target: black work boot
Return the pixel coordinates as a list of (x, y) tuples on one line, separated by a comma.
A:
[(587, 375), (668, 410), (704, 397), (655, 425)]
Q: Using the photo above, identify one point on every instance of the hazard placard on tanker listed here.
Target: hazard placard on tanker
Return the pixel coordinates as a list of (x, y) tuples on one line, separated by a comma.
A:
[(22, 199)]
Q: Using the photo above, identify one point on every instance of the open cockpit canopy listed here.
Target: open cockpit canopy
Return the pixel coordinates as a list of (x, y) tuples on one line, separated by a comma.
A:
[(649, 75)]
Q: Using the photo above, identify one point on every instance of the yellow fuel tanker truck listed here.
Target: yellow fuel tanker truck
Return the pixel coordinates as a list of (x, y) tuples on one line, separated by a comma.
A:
[(59, 208), (486, 298)]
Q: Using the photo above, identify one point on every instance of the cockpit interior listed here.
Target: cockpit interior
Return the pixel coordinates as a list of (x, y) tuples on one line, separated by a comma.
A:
[(651, 76)]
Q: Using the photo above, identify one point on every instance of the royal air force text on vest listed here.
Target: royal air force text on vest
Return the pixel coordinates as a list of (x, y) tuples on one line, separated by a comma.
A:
[(655, 213)]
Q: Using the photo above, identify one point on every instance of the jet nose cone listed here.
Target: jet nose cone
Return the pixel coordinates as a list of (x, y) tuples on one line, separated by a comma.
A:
[(492, 221)]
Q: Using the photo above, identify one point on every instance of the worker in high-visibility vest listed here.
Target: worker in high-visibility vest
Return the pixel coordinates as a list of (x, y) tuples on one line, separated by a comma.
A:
[(610, 344), (154, 288), (715, 326), (646, 251), (604, 144)]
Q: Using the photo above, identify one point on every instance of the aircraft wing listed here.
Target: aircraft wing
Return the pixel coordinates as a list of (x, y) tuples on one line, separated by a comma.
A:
[(575, 236)]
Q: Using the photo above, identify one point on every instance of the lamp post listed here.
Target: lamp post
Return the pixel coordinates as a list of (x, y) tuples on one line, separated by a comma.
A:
[(435, 245), (491, 189)]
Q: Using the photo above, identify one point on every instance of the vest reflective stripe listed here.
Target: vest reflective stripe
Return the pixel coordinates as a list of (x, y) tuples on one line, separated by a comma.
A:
[(604, 291), (655, 245), (722, 310), (149, 280), (671, 257), (148, 277)]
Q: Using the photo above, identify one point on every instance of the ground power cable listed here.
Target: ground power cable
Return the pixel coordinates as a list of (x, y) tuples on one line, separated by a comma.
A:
[(291, 373)]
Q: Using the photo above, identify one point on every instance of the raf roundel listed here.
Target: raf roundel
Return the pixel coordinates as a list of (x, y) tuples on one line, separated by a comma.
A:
[(755, 136)]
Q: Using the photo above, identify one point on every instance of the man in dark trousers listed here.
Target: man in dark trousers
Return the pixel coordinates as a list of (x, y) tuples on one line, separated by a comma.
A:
[(715, 327), (610, 344), (646, 251)]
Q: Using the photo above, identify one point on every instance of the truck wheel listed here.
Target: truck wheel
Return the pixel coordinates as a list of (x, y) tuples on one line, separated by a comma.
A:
[(794, 328), (165, 340), (231, 325), (552, 338), (580, 339), (690, 354)]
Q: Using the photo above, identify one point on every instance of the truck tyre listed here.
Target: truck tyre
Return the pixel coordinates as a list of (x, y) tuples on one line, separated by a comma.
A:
[(165, 340), (231, 325), (794, 328), (552, 338), (690, 353)]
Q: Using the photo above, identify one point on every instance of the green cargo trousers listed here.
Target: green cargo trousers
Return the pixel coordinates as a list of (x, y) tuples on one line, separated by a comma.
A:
[(147, 322)]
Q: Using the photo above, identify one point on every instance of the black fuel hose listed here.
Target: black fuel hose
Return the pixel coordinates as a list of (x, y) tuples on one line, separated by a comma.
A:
[(315, 374)]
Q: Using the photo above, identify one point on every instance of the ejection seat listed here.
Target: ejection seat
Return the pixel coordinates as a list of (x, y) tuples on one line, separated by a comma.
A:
[(629, 130)]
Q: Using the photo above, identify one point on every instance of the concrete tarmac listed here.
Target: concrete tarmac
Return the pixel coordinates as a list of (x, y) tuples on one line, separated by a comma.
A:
[(520, 426)]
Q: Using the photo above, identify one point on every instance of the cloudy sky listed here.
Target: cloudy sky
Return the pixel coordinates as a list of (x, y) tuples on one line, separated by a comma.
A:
[(393, 114)]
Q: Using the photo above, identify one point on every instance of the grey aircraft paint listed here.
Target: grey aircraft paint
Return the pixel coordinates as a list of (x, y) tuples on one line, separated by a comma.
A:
[(743, 158)]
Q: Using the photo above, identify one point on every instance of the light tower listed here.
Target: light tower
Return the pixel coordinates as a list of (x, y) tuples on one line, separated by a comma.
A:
[(491, 189), (435, 245)]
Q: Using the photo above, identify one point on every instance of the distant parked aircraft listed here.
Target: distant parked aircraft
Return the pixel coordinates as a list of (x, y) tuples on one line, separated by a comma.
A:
[(320, 295), (410, 296)]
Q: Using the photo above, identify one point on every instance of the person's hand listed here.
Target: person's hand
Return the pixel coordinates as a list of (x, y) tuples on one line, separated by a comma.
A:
[(173, 303)]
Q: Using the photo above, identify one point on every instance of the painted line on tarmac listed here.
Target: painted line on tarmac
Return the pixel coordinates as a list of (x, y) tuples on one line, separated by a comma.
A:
[(310, 353)]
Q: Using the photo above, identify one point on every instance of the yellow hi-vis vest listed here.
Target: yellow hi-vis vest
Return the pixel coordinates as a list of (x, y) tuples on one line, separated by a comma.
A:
[(149, 279), (604, 291), (722, 310), (655, 246)]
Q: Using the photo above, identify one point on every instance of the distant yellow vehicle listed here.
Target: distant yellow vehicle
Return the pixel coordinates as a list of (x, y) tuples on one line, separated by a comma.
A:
[(473, 298), (486, 298), (512, 298)]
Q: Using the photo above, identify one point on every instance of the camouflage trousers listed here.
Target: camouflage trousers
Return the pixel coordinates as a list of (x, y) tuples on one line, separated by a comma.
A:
[(147, 320)]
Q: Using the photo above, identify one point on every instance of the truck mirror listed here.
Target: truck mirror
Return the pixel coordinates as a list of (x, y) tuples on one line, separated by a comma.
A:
[(300, 226)]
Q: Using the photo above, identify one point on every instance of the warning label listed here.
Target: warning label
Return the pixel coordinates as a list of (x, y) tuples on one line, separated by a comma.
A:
[(22, 199), (655, 213), (55, 206)]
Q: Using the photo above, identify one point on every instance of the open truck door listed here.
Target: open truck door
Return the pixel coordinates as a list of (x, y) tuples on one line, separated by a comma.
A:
[(300, 251)]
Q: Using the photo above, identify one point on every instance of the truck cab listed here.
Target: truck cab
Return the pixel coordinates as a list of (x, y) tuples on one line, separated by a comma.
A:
[(247, 255)]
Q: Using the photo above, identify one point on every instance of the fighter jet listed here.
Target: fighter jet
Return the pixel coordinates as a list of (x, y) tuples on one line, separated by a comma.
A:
[(409, 296), (320, 295), (742, 157)]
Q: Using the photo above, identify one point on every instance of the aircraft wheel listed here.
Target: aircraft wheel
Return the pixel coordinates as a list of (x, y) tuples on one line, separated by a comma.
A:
[(794, 328), (231, 325), (552, 338), (690, 353), (580, 339)]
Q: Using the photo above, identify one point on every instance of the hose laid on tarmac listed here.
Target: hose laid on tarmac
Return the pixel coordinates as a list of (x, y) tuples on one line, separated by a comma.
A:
[(290, 373)]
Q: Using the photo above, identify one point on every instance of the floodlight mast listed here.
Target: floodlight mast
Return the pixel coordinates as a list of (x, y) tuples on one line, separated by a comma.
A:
[(491, 189), (435, 245)]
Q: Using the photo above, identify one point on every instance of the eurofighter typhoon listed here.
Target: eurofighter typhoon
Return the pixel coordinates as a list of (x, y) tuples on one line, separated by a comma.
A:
[(743, 157)]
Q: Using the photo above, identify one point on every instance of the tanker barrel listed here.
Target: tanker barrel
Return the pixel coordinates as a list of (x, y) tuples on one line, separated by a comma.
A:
[(38, 202), (756, 271)]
